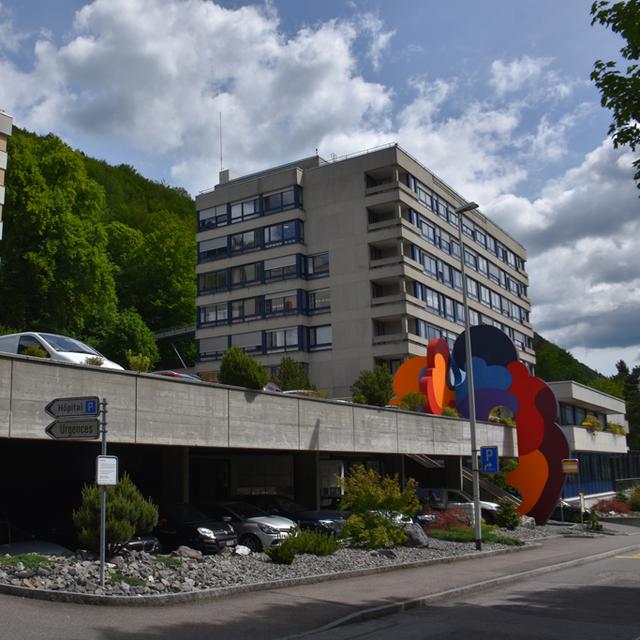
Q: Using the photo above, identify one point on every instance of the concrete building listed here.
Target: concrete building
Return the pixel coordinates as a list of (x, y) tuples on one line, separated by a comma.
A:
[(347, 264), (6, 124)]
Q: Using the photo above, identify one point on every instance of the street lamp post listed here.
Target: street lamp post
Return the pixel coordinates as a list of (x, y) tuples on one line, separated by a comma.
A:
[(475, 471)]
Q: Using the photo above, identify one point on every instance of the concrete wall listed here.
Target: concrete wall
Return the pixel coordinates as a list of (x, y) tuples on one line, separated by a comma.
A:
[(580, 439), (146, 409), (579, 394)]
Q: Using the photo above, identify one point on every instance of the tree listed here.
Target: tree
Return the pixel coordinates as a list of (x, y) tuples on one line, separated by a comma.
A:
[(620, 90), (241, 370), (292, 375), (373, 386), (128, 513), (632, 398)]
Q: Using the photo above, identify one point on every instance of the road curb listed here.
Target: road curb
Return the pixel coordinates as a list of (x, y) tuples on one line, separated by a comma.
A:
[(210, 594), (423, 601)]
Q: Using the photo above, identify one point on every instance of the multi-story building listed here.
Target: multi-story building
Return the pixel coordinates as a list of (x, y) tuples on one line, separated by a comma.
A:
[(347, 264), (6, 124)]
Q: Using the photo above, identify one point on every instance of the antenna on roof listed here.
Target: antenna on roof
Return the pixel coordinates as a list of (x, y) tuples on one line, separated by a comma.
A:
[(220, 129)]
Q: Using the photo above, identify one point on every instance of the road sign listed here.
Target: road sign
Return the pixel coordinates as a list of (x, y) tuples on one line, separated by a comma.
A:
[(74, 429), (70, 407), (106, 470), (490, 460), (570, 465)]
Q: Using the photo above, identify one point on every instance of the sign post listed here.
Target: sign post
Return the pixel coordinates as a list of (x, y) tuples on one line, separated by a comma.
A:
[(571, 466), (490, 460), (75, 418), (104, 468)]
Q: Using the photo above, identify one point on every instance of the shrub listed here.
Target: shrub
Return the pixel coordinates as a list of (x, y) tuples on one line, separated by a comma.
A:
[(594, 521), (374, 502), (606, 506), (449, 519), (128, 514), (241, 370), (467, 534), (634, 498), (373, 387), (592, 423), (311, 542), (451, 412), (96, 361), (412, 401), (615, 428), (35, 351), (507, 516), (138, 362), (292, 375), (282, 554)]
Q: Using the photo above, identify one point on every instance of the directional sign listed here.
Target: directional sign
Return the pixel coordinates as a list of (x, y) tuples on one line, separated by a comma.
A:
[(68, 407), (70, 429), (490, 460)]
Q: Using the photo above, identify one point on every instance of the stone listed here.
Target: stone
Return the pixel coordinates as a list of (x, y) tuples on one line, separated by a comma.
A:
[(19, 566), (118, 562), (188, 552), (385, 553), (416, 537), (241, 550), (527, 522)]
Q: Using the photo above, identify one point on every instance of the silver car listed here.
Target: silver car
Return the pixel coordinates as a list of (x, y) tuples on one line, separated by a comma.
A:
[(255, 528)]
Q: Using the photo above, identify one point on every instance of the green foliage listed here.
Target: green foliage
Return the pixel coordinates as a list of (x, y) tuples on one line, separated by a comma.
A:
[(412, 401), (620, 89), (632, 399), (292, 375), (118, 576), (310, 542), (594, 521), (31, 561), (128, 333), (554, 363), (241, 370), (35, 351), (169, 561), (373, 387), (450, 412), (592, 423), (507, 516), (615, 428), (138, 362), (500, 478), (611, 385), (128, 514), (373, 502), (96, 361), (467, 534), (634, 498)]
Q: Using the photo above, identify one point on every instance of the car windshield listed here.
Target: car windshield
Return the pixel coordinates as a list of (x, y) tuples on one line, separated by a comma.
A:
[(246, 510), (62, 343), (187, 513)]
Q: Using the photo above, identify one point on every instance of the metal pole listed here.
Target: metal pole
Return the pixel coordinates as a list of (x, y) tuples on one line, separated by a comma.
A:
[(103, 493), (475, 471)]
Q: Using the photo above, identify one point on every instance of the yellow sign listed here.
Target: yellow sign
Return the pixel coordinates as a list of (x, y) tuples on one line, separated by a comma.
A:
[(635, 556), (570, 465)]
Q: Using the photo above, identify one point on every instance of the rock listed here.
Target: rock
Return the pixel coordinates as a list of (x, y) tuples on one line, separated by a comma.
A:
[(385, 553), (27, 583), (416, 537), (118, 562), (188, 552), (527, 522), (19, 566), (241, 550)]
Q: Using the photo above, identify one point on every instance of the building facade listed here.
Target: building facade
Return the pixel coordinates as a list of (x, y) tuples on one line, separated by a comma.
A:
[(6, 125), (347, 264)]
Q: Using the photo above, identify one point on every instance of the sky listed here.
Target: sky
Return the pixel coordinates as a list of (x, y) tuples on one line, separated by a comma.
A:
[(493, 96)]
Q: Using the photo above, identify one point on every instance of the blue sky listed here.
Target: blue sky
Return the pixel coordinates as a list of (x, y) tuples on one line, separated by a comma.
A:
[(493, 96)]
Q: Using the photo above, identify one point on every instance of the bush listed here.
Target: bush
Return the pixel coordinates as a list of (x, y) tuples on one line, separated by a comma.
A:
[(594, 521), (449, 519), (311, 542), (613, 504), (507, 516), (292, 375), (451, 412), (592, 423), (138, 362), (373, 387), (634, 498), (615, 428), (96, 361), (128, 514), (35, 351), (467, 534), (241, 370), (412, 401), (374, 502)]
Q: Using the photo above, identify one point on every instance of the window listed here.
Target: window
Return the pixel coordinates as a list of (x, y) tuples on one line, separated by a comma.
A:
[(281, 303), (280, 268), (245, 274), (491, 244), (445, 274), (244, 210), (482, 265), (320, 337), (213, 217), (282, 339), (428, 231), (278, 201), (467, 230), (457, 279), (432, 300), (485, 295), (249, 342), (481, 237), (284, 233), (445, 242), (246, 308), (217, 313), (459, 313), (470, 259), (213, 281), (449, 311), (474, 318), (494, 273), (472, 288), (318, 264), (28, 342), (212, 249), (209, 348), (246, 241), (319, 300), (495, 301)]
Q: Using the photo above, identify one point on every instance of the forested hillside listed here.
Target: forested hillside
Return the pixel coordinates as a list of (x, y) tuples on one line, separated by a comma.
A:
[(93, 251)]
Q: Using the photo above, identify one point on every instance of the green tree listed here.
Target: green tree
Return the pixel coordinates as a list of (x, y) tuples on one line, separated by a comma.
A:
[(373, 387), (128, 333), (292, 375), (241, 370), (128, 513), (412, 401), (620, 88), (632, 399), (55, 269)]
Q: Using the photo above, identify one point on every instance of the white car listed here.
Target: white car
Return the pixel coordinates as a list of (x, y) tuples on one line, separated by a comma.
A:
[(53, 346)]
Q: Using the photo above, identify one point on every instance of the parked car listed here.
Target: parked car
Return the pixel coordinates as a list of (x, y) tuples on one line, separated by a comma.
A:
[(272, 387), (569, 512), (148, 543), (442, 498), (324, 520), (178, 375), (15, 541), (256, 529), (53, 346), (183, 524)]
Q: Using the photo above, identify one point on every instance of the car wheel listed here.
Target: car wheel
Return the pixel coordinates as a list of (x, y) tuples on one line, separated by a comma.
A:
[(252, 542)]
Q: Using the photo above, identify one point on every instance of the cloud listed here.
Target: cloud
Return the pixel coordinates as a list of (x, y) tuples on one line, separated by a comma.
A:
[(379, 39)]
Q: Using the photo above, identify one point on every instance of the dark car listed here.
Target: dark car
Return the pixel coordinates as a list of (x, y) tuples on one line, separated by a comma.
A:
[(182, 524), (569, 512), (324, 520)]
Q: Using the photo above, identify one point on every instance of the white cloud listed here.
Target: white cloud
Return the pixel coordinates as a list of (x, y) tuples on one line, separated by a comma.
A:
[(380, 39)]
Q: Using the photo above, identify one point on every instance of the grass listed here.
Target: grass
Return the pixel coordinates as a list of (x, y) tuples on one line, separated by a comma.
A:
[(31, 561), (467, 534), (117, 576), (169, 561)]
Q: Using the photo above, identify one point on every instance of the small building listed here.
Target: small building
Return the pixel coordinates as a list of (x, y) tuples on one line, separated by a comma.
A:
[(6, 125)]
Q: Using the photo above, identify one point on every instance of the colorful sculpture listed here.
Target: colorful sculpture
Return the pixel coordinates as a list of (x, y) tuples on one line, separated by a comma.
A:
[(500, 380)]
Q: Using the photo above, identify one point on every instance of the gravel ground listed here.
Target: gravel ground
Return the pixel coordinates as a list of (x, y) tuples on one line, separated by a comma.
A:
[(138, 573)]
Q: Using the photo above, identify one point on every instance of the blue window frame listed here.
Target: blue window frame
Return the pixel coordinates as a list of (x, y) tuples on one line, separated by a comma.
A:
[(213, 249), (213, 314), (213, 281), (213, 217), (284, 339), (320, 338)]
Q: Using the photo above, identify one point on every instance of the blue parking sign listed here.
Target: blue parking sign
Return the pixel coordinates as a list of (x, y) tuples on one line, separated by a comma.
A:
[(489, 459)]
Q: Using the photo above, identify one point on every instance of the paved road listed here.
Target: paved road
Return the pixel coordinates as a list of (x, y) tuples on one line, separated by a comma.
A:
[(269, 615), (594, 601)]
